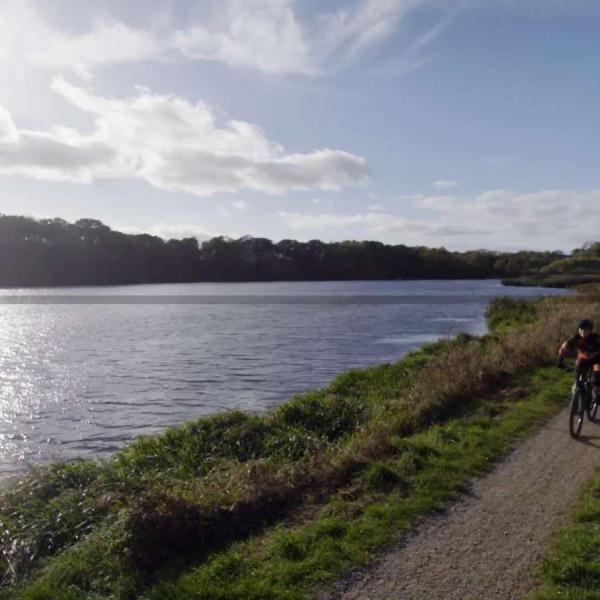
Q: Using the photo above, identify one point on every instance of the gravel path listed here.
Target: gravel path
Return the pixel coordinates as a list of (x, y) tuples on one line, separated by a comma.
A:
[(486, 545)]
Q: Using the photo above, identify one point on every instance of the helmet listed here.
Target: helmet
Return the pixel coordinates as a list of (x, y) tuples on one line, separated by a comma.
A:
[(585, 324)]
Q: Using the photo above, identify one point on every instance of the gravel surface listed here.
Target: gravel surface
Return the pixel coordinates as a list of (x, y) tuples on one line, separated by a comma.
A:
[(487, 544)]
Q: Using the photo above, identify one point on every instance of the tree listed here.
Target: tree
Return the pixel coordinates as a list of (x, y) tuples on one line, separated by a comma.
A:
[(55, 252)]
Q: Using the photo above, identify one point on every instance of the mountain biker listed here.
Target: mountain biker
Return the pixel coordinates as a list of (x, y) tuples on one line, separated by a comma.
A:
[(587, 344)]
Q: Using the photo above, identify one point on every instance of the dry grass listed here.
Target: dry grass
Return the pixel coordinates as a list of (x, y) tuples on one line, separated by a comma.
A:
[(263, 491)]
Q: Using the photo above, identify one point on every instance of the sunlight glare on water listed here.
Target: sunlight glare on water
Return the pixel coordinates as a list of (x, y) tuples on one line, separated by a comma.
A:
[(82, 380)]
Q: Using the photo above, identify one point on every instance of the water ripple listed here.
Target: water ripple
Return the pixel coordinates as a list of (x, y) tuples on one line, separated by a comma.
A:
[(81, 380)]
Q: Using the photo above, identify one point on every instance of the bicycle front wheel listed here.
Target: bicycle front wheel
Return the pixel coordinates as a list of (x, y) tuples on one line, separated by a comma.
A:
[(592, 410), (576, 413)]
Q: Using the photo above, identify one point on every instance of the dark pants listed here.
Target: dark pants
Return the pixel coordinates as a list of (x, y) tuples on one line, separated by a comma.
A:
[(583, 364)]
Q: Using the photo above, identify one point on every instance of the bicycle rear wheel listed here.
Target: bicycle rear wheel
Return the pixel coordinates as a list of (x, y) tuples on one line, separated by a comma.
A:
[(576, 413)]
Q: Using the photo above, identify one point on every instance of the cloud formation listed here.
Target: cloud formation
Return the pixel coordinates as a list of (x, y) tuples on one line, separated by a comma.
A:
[(494, 219), (266, 35), (372, 222), (172, 144), (343, 34), (26, 39), (169, 231), (261, 34)]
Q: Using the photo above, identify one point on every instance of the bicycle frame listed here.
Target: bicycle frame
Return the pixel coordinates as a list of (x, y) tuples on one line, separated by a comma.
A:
[(583, 401), (583, 381)]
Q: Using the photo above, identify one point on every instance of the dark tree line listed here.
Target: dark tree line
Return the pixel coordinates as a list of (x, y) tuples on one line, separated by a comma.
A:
[(53, 252)]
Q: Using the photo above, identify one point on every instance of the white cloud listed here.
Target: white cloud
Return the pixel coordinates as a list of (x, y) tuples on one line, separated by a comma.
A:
[(172, 144), (494, 219), (107, 43), (170, 231), (266, 35), (545, 219), (371, 222), (263, 34), (320, 222), (445, 184), (26, 39), (412, 58), (56, 157), (345, 33)]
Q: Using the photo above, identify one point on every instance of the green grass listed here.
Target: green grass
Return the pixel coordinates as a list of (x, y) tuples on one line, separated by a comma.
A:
[(571, 570), (505, 313), (426, 471), (324, 540)]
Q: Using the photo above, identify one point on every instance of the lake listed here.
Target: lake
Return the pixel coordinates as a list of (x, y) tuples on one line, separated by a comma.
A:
[(85, 370)]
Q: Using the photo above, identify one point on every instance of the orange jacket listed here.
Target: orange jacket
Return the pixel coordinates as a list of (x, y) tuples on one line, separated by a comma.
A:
[(587, 347)]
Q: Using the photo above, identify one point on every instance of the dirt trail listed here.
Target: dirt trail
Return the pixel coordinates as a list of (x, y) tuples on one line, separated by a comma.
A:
[(486, 545)]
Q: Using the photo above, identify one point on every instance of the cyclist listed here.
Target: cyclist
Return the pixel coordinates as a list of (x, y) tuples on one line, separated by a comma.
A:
[(587, 344)]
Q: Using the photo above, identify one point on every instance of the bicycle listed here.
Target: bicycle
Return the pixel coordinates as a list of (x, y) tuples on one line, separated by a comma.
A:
[(583, 400)]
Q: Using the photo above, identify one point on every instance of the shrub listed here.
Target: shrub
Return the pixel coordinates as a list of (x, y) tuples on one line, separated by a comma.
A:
[(505, 312)]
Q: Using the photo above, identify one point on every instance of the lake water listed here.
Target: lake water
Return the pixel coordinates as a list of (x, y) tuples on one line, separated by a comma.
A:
[(85, 370)]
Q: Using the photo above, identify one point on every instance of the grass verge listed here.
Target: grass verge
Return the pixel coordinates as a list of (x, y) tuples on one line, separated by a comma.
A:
[(428, 469), (571, 570)]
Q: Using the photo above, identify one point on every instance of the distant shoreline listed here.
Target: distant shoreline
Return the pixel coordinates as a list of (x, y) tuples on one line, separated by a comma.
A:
[(552, 281), (245, 281), (53, 252)]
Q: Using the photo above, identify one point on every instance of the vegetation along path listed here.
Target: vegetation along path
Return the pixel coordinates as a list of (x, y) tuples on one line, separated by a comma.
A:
[(486, 545)]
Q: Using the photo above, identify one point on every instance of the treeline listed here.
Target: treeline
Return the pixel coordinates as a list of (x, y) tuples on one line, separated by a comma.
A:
[(585, 260), (53, 252), (580, 268)]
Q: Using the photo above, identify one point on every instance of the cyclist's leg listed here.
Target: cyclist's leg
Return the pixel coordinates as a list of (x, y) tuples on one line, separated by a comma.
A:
[(581, 365)]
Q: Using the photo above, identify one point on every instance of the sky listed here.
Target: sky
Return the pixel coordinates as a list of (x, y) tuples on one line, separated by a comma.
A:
[(459, 123)]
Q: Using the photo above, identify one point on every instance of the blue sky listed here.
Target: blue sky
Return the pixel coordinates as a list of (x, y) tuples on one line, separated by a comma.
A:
[(467, 124)]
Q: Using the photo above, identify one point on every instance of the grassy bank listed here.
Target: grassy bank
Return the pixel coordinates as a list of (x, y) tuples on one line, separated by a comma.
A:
[(272, 507), (299, 558), (565, 280), (571, 570)]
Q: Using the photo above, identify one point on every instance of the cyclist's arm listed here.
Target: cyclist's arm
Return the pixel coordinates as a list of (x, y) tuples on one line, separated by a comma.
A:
[(567, 347)]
